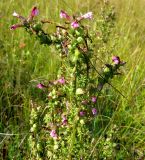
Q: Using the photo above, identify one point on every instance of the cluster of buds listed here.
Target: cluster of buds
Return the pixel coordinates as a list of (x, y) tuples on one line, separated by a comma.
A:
[(109, 71), (88, 104), (83, 113)]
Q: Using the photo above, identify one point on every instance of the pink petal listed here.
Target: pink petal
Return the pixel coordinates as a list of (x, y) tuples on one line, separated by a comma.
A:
[(34, 12), (64, 120), (61, 80), (75, 24), (88, 15), (82, 113), (94, 111), (40, 86), (94, 99), (15, 26), (63, 14), (116, 59), (53, 134)]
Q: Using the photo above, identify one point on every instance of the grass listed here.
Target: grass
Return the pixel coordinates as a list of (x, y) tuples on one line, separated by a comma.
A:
[(23, 63)]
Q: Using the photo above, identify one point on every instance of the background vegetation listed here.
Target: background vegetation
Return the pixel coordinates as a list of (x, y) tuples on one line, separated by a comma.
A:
[(23, 63)]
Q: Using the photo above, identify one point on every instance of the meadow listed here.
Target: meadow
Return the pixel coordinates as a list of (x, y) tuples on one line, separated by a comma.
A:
[(117, 131)]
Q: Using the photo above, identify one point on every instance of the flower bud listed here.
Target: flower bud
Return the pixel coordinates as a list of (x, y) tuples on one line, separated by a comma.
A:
[(37, 27), (94, 99), (94, 111), (79, 39), (82, 122), (77, 52), (79, 91), (116, 59), (106, 70), (82, 113), (75, 24)]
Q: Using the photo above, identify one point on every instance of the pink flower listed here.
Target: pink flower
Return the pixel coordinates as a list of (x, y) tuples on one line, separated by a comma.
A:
[(34, 12), (94, 111), (53, 134), (15, 26), (116, 59), (64, 120), (61, 80), (82, 113), (88, 15), (94, 99), (40, 86), (84, 102), (63, 14), (75, 24), (67, 105)]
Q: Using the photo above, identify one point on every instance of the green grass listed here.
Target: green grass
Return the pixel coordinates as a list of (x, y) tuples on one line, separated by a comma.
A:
[(21, 68)]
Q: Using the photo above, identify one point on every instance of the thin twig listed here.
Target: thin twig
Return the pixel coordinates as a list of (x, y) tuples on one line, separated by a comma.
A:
[(51, 22), (107, 82), (11, 134), (23, 140)]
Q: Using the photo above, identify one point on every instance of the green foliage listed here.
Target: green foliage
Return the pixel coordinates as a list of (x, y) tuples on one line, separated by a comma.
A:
[(67, 121)]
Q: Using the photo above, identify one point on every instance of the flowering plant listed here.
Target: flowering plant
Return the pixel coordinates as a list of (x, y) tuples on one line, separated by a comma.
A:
[(71, 99)]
